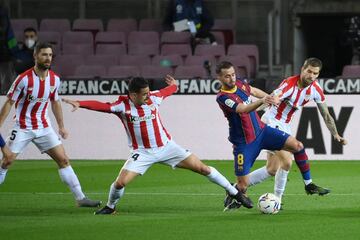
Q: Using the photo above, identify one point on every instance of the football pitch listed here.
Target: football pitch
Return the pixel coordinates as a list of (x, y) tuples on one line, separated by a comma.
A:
[(167, 204)]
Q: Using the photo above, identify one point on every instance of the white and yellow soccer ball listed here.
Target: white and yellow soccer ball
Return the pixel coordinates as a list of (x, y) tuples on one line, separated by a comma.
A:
[(269, 203)]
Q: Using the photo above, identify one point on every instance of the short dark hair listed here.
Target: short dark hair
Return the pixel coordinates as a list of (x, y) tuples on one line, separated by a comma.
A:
[(223, 65), (314, 62), (42, 45), (30, 29), (137, 83)]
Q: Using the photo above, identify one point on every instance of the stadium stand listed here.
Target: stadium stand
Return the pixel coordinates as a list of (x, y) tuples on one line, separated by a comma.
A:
[(60, 25)]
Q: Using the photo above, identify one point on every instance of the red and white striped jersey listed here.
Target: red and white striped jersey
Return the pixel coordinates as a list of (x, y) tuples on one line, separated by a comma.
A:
[(142, 123), (31, 96), (293, 98)]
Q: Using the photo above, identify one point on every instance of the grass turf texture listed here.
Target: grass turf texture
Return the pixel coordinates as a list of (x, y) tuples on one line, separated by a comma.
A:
[(166, 204)]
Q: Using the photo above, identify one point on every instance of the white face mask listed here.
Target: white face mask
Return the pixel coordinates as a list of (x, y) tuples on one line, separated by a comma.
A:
[(29, 43)]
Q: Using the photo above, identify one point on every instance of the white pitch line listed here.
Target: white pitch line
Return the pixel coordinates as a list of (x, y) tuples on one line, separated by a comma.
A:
[(163, 194)]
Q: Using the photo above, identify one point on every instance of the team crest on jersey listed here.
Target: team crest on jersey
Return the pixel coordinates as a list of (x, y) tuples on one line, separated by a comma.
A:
[(52, 89), (229, 102)]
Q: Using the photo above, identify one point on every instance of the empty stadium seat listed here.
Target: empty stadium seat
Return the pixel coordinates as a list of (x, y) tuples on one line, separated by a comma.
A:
[(219, 37), (51, 37), (18, 25), (200, 60), (226, 26), (150, 24), (103, 60), (78, 38), (249, 50), (67, 63), (89, 71), (60, 25), (110, 38), (134, 60), (143, 43), (118, 49), (81, 49), (183, 50), (150, 71), (175, 37), (241, 63), (208, 49), (351, 71), (167, 60), (122, 71), (122, 25), (92, 25), (190, 72)]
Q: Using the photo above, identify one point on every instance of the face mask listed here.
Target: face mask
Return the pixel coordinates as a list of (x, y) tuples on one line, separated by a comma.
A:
[(29, 43)]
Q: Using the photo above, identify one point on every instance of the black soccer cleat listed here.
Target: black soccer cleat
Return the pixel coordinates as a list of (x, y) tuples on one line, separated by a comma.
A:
[(312, 188), (232, 204), (240, 197), (105, 211)]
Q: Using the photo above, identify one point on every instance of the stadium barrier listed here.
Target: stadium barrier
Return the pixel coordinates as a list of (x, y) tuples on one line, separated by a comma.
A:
[(196, 122)]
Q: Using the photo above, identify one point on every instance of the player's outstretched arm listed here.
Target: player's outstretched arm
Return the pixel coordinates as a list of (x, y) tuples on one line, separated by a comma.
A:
[(73, 103), (91, 105), (330, 123)]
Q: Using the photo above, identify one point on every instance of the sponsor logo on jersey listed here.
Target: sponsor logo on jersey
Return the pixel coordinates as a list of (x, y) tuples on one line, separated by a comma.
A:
[(31, 98), (142, 119), (230, 103)]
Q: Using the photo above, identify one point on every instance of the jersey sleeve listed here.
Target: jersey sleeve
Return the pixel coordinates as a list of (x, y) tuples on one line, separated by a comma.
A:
[(159, 95), (227, 102), (54, 93), (118, 106), (16, 88), (319, 96)]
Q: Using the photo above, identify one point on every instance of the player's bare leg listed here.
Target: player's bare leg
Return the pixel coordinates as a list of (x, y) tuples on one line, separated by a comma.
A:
[(302, 162), (69, 177), (117, 190), (8, 158), (193, 163)]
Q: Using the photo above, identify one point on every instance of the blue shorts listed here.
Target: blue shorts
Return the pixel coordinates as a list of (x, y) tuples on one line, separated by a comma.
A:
[(246, 154)]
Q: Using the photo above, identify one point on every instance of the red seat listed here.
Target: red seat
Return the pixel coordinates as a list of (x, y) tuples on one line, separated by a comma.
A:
[(190, 72), (60, 25)]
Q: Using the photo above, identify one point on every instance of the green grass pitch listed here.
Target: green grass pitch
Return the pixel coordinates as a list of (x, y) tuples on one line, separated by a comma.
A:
[(167, 204)]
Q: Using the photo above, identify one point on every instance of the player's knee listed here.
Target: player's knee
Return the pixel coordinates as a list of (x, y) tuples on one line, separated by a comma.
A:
[(271, 170), (286, 165), (204, 169), (118, 184), (299, 146)]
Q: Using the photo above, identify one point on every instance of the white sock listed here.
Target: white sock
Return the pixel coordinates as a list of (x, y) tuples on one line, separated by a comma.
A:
[(2, 174), (220, 180), (114, 196), (280, 182), (307, 182), (258, 176), (69, 177)]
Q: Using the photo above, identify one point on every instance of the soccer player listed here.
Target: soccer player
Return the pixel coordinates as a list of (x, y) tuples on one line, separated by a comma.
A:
[(4, 149), (32, 91), (294, 92), (148, 139), (248, 134)]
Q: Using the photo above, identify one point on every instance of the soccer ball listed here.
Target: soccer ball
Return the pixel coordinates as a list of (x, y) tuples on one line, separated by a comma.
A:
[(269, 203)]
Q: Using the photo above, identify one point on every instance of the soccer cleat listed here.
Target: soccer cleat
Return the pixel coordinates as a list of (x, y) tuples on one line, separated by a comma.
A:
[(86, 202), (240, 197), (105, 211), (230, 203), (312, 188)]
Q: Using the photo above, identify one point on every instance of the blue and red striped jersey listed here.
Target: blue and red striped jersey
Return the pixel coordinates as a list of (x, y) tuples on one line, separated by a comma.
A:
[(243, 127)]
